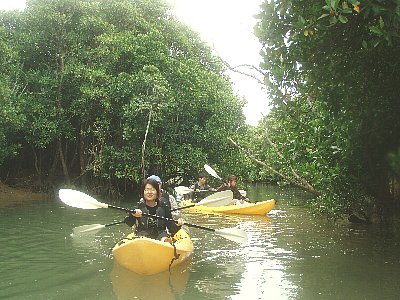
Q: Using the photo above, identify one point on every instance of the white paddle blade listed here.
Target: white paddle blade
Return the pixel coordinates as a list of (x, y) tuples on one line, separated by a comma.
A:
[(211, 171), (93, 228), (218, 199), (234, 234), (182, 190), (79, 200)]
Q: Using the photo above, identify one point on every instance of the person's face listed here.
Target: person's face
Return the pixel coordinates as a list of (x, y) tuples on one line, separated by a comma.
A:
[(202, 180), (232, 183), (150, 193)]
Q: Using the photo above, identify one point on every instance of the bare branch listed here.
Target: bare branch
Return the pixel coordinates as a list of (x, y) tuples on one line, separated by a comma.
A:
[(235, 69), (294, 173), (303, 184), (144, 141)]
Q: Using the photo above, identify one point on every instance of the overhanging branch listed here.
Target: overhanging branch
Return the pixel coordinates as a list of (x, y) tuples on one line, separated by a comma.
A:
[(298, 181)]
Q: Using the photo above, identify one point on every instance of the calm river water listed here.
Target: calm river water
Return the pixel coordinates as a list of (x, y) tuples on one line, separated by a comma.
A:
[(289, 255)]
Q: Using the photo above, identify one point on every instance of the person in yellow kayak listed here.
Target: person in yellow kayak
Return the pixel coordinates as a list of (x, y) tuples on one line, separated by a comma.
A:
[(200, 187), (231, 184), (147, 225)]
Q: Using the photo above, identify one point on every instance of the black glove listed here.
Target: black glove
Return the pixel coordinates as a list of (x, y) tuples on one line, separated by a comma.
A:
[(130, 220)]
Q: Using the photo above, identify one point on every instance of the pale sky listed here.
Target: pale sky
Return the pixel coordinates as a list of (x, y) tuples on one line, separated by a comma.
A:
[(12, 4), (227, 26)]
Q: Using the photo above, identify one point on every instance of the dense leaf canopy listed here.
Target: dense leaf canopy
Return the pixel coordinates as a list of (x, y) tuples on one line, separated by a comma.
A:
[(332, 74), (101, 93)]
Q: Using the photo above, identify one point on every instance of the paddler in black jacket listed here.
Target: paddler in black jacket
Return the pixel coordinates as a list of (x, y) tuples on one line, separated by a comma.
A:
[(149, 226), (200, 188)]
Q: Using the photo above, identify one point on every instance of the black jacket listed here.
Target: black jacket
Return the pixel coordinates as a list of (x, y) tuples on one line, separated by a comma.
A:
[(150, 226)]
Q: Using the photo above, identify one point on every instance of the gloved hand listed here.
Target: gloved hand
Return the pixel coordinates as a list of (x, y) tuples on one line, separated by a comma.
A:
[(130, 220)]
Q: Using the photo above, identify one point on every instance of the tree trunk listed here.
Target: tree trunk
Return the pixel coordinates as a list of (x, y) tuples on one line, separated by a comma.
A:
[(82, 160), (59, 104), (63, 163), (144, 143)]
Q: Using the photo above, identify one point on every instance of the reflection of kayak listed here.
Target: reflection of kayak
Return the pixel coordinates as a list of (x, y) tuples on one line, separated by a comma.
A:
[(165, 285), (259, 208), (148, 256)]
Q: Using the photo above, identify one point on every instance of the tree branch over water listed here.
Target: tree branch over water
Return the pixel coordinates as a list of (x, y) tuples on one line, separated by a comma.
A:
[(297, 180)]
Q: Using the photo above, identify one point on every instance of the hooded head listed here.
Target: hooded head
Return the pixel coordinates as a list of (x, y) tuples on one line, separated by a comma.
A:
[(156, 178)]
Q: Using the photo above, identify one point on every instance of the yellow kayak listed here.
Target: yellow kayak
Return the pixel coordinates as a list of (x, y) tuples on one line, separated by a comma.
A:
[(259, 208), (147, 256)]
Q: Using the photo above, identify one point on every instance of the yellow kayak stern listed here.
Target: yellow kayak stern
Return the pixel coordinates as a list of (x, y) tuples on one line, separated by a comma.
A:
[(147, 256)]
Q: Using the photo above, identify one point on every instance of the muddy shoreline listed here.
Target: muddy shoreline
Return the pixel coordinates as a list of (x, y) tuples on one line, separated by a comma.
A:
[(12, 195)]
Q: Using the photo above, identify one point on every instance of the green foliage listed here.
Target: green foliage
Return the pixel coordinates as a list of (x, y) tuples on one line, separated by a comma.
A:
[(335, 92), (96, 71), (12, 119)]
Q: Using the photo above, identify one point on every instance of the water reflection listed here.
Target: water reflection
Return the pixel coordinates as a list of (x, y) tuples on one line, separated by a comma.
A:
[(215, 264), (237, 272), (166, 285), (264, 274), (289, 255)]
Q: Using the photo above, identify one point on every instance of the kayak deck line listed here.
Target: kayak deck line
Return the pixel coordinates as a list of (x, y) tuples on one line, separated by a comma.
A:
[(258, 208)]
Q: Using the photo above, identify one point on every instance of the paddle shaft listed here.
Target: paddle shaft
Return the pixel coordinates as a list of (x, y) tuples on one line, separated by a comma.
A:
[(143, 213), (146, 214), (183, 207), (172, 220), (160, 217), (199, 227), (120, 208), (115, 223)]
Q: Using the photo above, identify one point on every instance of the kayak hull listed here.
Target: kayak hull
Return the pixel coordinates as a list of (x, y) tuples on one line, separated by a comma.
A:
[(259, 208), (147, 256)]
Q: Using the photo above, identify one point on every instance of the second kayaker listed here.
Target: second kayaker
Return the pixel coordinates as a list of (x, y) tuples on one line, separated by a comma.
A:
[(147, 218), (200, 188), (238, 198)]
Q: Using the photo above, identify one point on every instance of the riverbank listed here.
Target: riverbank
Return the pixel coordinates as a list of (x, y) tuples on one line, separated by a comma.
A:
[(12, 196)]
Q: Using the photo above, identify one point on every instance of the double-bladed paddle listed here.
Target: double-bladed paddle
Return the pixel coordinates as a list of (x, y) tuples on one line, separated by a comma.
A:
[(217, 199), (81, 200)]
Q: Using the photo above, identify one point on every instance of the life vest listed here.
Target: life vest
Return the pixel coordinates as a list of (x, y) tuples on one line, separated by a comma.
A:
[(150, 223)]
